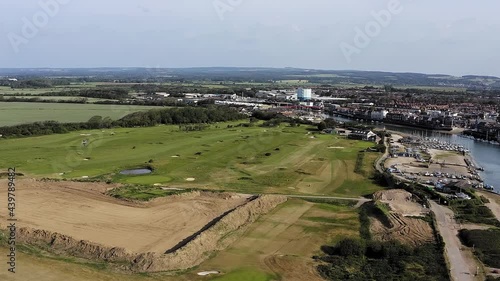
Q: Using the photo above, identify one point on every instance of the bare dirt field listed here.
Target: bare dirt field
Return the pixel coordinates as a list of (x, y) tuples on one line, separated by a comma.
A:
[(400, 223), (411, 231), (83, 212), (401, 202)]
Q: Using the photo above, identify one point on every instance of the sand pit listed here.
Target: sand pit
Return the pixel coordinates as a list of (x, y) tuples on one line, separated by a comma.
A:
[(401, 202), (83, 212), (206, 273), (410, 231), (399, 224)]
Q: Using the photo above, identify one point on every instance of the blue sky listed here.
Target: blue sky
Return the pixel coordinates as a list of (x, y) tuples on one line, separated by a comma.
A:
[(447, 36)]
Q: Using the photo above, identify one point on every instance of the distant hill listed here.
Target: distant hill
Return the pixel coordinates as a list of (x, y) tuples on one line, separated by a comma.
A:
[(240, 74)]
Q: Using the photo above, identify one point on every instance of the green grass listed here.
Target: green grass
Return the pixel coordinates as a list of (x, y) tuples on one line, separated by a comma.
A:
[(143, 193), (64, 98), (486, 244), (245, 275), (218, 158), (13, 113)]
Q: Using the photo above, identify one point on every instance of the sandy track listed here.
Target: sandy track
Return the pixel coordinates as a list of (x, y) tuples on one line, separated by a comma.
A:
[(81, 211), (462, 265)]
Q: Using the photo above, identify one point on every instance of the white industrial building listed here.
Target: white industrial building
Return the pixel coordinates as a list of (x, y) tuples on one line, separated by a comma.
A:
[(304, 94)]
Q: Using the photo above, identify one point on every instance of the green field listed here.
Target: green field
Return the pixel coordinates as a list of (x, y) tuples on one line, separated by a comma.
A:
[(284, 241), (282, 160), (55, 98), (13, 113)]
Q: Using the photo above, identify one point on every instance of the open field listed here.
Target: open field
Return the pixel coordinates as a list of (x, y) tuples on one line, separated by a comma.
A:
[(281, 160), (282, 242), (56, 98), (13, 113), (80, 210)]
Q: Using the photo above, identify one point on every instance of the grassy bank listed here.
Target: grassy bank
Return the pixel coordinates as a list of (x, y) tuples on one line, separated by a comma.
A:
[(486, 244)]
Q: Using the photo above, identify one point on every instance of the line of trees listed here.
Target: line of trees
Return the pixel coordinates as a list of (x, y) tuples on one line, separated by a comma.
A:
[(186, 115)]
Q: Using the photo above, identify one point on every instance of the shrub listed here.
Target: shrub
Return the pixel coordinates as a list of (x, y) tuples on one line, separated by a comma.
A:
[(350, 247)]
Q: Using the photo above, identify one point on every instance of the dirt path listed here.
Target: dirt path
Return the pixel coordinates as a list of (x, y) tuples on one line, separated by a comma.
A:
[(462, 264), (378, 165)]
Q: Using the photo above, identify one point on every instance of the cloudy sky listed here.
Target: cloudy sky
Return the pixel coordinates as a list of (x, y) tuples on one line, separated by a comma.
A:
[(445, 36)]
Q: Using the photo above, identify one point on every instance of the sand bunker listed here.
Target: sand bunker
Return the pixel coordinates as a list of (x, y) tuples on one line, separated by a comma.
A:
[(190, 179), (205, 273)]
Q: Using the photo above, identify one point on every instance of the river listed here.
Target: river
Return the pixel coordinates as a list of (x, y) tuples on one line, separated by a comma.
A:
[(486, 155)]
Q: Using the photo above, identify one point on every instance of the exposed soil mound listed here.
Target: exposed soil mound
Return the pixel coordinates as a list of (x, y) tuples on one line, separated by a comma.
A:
[(393, 195), (79, 206), (83, 212), (63, 244), (396, 223), (410, 231), (216, 238), (401, 201)]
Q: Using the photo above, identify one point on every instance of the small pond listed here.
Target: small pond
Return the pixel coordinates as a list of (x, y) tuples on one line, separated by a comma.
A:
[(141, 171)]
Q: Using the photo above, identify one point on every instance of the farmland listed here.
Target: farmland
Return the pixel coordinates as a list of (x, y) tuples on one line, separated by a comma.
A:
[(282, 160), (13, 113)]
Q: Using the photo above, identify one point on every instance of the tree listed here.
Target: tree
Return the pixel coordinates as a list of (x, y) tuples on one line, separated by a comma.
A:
[(322, 126), (351, 247)]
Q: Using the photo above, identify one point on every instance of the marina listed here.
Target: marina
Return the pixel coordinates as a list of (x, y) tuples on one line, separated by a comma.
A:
[(485, 156)]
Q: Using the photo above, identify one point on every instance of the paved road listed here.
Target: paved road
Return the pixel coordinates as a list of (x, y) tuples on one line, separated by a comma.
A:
[(462, 266)]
